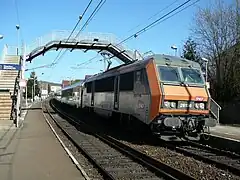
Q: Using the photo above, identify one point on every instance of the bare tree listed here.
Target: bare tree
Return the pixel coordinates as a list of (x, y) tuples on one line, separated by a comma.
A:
[(216, 32)]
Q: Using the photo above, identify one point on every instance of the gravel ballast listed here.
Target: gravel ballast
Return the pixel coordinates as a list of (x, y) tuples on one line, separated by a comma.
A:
[(195, 168), (86, 165), (189, 165)]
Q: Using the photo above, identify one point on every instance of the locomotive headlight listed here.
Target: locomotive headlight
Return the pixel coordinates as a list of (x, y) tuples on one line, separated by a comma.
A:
[(173, 104), (167, 104), (201, 105), (196, 105)]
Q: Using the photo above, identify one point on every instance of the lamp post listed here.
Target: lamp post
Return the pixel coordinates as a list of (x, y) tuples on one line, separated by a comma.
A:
[(33, 87), (206, 67), (175, 49), (26, 95), (17, 27)]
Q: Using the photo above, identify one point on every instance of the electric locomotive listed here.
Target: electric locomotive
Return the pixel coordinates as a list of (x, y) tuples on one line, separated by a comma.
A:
[(167, 93)]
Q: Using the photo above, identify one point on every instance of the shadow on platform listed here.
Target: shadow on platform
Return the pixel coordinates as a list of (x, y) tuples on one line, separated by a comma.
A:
[(134, 134)]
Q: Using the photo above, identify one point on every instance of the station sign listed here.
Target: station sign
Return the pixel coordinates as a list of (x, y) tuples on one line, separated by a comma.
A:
[(10, 67)]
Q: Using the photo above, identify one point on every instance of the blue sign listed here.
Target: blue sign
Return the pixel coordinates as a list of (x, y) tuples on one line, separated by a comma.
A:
[(10, 67)]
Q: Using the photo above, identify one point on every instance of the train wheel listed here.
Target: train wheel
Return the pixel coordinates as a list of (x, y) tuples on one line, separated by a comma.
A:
[(206, 133)]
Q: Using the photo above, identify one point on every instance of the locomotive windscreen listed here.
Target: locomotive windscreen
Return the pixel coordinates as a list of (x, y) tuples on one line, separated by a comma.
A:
[(188, 75), (169, 74), (192, 76)]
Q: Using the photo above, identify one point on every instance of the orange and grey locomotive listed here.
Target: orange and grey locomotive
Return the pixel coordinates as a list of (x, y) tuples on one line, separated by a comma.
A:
[(167, 93)]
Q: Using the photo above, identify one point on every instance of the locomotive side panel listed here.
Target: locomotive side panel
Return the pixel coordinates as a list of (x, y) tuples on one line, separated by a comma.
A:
[(126, 98), (87, 94), (125, 90), (141, 96), (154, 86), (103, 103), (103, 96)]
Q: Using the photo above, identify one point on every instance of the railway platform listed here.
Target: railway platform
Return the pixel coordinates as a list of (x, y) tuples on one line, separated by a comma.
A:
[(228, 132), (33, 152)]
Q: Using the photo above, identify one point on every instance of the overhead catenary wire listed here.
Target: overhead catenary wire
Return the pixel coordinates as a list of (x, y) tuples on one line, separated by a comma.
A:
[(172, 15), (79, 20), (18, 19), (99, 6), (158, 21), (86, 63), (57, 57), (154, 15), (88, 60), (95, 11), (85, 24), (154, 22)]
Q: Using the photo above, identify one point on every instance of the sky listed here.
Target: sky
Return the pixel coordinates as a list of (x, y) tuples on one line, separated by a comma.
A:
[(39, 19)]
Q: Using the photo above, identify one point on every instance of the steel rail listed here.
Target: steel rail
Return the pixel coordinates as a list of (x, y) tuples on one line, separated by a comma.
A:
[(105, 174), (226, 160), (158, 167)]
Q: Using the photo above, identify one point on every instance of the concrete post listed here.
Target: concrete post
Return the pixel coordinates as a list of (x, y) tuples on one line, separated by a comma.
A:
[(18, 108), (23, 69), (26, 97)]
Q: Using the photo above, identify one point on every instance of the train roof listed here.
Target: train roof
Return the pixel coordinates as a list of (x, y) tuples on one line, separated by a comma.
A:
[(124, 68), (72, 86), (162, 59)]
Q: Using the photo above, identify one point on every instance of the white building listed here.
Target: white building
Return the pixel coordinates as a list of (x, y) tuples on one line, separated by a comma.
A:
[(44, 93), (55, 88)]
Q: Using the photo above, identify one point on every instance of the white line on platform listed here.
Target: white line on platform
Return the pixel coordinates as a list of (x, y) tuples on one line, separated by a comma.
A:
[(230, 134), (67, 150), (231, 139)]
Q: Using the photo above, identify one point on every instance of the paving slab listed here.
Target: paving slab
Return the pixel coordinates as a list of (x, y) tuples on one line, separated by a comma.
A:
[(224, 131), (33, 152)]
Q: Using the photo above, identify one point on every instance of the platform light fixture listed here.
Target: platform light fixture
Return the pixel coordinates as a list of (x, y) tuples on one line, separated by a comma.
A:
[(175, 49), (17, 27)]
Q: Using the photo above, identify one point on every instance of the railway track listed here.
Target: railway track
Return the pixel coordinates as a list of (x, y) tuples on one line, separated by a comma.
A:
[(221, 159), (113, 159)]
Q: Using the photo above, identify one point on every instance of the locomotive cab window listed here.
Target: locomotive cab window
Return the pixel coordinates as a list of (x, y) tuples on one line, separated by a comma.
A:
[(167, 73), (192, 76)]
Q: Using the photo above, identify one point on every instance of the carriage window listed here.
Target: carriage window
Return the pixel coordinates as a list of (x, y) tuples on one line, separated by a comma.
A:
[(104, 85), (89, 87), (169, 74)]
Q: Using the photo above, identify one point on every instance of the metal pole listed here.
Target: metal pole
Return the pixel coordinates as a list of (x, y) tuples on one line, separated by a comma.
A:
[(23, 69), (18, 105), (32, 93), (206, 70), (34, 89), (18, 41), (17, 27), (26, 96)]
